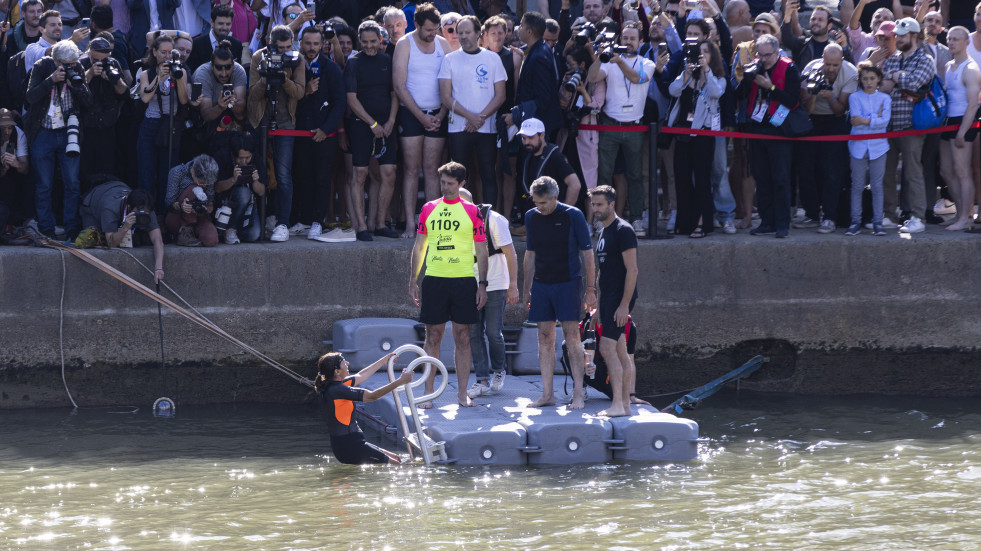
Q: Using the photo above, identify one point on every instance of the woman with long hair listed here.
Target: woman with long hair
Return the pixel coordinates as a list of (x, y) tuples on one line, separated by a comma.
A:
[(162, 92), (697, 89)]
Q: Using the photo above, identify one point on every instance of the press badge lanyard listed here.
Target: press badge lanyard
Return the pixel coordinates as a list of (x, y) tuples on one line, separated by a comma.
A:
[(629, 107)]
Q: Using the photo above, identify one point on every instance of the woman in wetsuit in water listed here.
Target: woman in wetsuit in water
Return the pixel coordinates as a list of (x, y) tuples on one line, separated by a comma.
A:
[(338, 391)]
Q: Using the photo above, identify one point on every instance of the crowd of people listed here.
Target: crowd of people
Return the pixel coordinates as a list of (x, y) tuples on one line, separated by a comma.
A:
[(328, 119)]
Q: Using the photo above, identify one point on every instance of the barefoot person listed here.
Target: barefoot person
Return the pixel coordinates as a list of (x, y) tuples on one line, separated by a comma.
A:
[(338, 391), (616, 255), (963, 82), (558, 253), (450, 231)]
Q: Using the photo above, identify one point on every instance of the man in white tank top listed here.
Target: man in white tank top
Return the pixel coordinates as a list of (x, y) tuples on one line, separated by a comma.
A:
[(963, 82), (422, 117)]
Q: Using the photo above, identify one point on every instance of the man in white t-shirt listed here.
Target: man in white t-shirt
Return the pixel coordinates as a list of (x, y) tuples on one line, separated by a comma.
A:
[(472, 86), (502, 288), (627, 78)]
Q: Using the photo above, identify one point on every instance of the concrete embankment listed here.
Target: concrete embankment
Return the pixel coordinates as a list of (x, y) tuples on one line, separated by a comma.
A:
[(834, 315)]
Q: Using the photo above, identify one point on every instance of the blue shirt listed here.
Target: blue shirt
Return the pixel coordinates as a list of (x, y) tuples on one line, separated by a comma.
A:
[(556, 240), (877, 107)]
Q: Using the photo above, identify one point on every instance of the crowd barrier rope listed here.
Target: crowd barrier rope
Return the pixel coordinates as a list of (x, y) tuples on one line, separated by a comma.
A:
[(755, 136)]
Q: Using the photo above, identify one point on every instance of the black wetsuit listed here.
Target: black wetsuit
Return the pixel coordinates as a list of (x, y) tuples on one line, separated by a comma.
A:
[(346, 439)]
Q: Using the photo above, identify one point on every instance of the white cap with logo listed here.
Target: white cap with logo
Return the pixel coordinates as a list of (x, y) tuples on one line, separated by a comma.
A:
[(531, 127)]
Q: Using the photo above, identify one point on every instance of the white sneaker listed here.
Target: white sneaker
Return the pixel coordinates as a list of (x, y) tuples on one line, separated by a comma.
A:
[(827, 226), (497, 381), (231, 237), (298, 228), (315, 231), (944, 206), (280, 234), (672, 220), (887, 223), (477, 389), (805, 223), (913, 225), (639, 227), (338, 235), (729, 227), (271, 223), (59, 231)]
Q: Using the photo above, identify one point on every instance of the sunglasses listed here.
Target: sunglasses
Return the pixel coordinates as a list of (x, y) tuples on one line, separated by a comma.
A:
[(338, 366), (375, 151), (224, 67), (292, 15)]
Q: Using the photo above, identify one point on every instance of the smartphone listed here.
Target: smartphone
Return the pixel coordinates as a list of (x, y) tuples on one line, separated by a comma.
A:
[(691, 4), (312, 5), (227, 89), (662, 48), (196, 88), (86, 21)]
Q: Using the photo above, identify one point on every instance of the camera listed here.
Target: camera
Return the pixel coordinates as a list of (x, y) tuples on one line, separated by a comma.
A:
[(176, 67), (329, 31), (273, 65), (72, 149), (693, 50), (587, 33), (245, 179), (111, 68), (607, 53), (816, 81), (73, 75), (751, 69), (574, 80), (200, 201), (142, 220)]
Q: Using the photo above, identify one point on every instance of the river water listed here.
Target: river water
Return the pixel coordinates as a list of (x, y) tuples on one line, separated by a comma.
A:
[(774, 471)]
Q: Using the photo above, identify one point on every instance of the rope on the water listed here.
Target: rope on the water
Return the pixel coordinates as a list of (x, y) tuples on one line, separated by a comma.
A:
[(61, 327), (193, 317)]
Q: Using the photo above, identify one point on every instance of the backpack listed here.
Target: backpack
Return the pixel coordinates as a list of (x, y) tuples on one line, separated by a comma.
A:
[(930, 110), (18, 77)]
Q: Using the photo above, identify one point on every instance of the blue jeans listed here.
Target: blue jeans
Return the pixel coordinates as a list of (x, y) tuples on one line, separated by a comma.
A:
[(490, 323), (238, 200), (871, 171), (725, 203), (282, 149), (153, 165), (48, 147)]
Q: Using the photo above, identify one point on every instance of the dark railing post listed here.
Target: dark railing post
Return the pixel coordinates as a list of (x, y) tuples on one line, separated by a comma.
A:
[(653, 182), (264, 147)]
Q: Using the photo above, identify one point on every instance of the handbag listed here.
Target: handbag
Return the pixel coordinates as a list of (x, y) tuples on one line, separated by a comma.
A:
[(793, 123), (930, 107)]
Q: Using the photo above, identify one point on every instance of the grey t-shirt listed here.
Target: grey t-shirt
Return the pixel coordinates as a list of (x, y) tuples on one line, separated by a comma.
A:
[(210, 87), (103, 207)]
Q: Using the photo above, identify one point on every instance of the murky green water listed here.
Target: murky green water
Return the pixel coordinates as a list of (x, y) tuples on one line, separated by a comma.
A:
[(778, 472)]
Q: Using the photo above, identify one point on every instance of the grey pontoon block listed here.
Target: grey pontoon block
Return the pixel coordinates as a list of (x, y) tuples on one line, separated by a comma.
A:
[(364, 340), (523, 360), (491, 441), (560, 436), (651, 436)]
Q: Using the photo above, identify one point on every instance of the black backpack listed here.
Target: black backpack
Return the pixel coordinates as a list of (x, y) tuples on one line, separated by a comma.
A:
[(18, 76)]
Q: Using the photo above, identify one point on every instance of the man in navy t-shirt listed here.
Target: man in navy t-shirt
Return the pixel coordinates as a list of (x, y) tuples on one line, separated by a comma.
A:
[(558, 253)]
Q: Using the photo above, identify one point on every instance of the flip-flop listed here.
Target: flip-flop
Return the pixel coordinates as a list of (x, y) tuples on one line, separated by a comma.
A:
[(697, 233)]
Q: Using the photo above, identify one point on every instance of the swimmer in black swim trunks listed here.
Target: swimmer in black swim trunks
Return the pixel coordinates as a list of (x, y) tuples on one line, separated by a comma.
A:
[(338, 391)]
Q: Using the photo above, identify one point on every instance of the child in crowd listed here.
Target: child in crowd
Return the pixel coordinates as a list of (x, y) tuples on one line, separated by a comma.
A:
[(871, 110)]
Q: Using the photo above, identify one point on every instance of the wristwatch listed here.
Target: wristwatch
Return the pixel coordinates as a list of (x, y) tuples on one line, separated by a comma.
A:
[(482, 282)]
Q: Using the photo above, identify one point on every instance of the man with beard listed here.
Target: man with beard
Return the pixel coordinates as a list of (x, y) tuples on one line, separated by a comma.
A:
[(28, 30), (221, 26), (544, 159), (805, 50)]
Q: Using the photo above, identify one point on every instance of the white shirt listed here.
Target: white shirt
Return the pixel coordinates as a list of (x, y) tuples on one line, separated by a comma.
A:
[(186, 18), (498, 278), (154, 16), (625, 100), (473, 77), (972, 51)]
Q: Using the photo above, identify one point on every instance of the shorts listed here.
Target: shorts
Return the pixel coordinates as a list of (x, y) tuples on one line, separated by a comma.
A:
[(351, 449), (410, 127), (968, 136), (607, 309), (556, 301), (449, 299), (361, 142)]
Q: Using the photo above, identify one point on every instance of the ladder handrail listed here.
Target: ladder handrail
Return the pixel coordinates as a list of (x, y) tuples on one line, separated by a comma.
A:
[(429, 361)]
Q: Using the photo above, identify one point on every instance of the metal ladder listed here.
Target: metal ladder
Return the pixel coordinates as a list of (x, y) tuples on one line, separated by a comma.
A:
[(418, 443)]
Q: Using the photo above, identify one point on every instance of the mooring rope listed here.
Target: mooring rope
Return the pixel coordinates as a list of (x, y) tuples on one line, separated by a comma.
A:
[(61, 327), (195, 317)]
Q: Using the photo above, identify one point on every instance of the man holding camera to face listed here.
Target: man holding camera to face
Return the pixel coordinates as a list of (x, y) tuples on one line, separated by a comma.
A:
[(57, 93), (104, 77), (191, 200), (277, 83), (238, 189), (627, 77), (115, 210)]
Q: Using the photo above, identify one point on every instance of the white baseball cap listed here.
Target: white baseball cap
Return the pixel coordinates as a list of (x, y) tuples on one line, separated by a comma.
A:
[(532, 127)]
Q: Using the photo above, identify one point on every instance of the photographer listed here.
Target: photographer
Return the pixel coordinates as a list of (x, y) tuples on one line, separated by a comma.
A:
[(115, 210), (698, 88), (627, 77), (16, 193), (238, 188), (57, 94), (163, 90), (105, 80), (276, 84), (825, 87), (190, 202), (222, 83), (321, 110), (582, 102), (471, 82)]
